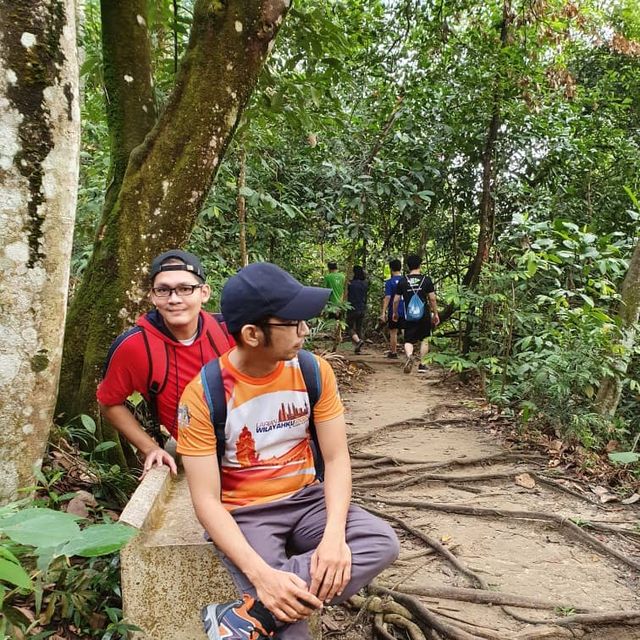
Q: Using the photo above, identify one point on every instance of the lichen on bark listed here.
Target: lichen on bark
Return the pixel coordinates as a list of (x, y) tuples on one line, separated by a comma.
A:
[(40, 113)]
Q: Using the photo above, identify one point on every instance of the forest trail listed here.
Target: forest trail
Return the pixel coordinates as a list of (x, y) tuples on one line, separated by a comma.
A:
[(419, 418)]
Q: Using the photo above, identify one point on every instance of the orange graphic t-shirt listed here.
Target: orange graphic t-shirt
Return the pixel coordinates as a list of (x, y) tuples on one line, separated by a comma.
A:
[(267, 450)]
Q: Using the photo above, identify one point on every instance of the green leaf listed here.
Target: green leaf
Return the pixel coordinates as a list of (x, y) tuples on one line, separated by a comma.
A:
[(624, 457), (104, 446), (14, 574), (40, 527), (247, 192), (88, 423), (99, 539)]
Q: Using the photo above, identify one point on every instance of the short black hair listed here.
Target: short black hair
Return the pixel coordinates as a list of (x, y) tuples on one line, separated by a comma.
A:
[(263, 323), (413, 261), (395, 264), (332, 265), (358, 273)]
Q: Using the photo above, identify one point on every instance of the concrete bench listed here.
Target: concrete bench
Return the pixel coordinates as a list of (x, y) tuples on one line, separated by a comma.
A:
[(169, 572)]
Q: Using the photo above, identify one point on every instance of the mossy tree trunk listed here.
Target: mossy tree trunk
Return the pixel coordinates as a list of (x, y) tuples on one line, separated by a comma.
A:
[(128, 85), (628, 314), (167, 180), (39, 153)]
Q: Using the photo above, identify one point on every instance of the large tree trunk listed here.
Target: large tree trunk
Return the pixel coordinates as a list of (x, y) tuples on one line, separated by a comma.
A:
[(167, 180), (629, 313), (39, 152)]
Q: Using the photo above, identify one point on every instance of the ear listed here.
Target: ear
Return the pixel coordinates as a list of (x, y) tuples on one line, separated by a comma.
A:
[(205, 292), (252, 335)]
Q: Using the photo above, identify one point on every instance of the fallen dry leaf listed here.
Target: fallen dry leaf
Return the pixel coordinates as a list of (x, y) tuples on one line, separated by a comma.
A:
[(604, 494), (525, 480), (632, 499)]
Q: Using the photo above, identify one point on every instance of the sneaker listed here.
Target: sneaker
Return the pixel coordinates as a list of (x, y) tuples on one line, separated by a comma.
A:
[(391, 355), (408, 365), (359, 346), (422, 368), (245, 619)]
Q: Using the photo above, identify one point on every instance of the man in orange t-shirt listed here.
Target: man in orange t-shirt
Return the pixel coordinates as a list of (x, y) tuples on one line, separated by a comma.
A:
[(290, 542)]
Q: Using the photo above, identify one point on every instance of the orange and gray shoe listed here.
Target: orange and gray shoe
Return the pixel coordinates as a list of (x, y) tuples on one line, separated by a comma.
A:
[(246, 619)]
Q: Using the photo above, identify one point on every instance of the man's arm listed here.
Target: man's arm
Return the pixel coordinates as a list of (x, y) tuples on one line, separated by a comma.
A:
[(283, 593), (433, 303), (126, 424), (331, 561), (385, 305)]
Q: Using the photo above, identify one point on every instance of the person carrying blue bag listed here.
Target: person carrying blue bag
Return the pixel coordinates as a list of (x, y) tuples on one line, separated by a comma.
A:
[(417, 291)]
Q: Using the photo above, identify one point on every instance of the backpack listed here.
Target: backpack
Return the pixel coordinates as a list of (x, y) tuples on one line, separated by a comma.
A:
[(159, 368), (415, 308), (214, 393)]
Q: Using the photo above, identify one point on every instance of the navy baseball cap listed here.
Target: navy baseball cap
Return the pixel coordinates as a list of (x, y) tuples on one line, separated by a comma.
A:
[(190, 264), (264, 289)]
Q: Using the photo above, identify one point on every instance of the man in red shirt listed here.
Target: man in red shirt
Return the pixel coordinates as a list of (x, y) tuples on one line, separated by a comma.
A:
[(162, 353)]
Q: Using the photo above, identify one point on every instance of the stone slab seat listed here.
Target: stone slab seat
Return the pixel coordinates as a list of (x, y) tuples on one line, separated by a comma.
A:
[(169, 572)]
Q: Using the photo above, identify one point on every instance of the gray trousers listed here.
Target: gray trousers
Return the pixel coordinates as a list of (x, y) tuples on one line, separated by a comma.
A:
[(286, 533)]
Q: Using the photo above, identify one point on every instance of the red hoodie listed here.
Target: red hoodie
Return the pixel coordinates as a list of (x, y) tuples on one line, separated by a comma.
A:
[(127, 366)]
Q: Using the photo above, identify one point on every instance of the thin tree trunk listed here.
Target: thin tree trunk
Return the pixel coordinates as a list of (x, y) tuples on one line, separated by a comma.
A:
[(167, 180), (629, 313), (486, 218), (241, 204), (39, 160)]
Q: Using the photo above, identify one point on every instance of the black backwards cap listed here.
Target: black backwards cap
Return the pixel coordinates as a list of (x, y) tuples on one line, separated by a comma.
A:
[(264, 289), (190, 264)]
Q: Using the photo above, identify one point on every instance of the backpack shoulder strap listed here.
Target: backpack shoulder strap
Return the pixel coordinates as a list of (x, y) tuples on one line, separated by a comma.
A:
[(312, 381), (158, 359), (217, 333), (211, 377)]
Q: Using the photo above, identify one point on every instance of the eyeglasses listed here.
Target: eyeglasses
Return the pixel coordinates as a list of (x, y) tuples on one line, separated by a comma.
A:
[(300, 325), (181, 290)]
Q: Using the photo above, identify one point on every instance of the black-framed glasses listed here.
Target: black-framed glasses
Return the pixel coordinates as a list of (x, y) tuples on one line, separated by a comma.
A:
[(299, 325), (181, 290)]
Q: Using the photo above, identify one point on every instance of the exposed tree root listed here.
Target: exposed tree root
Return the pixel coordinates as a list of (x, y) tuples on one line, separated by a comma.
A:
[(407, 424), (434, 544), (424, 617), (585, 619), (502, 456), (510, 513), (439, 477), (480, 596)]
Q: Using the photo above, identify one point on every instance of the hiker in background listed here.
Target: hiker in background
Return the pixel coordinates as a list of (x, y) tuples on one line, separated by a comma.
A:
[(357, 298), (386, 316), (161, 354), (334, 280), (416, 289), (286, 531)]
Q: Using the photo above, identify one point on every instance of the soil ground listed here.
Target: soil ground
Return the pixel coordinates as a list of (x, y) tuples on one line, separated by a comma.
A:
[(420, 417)]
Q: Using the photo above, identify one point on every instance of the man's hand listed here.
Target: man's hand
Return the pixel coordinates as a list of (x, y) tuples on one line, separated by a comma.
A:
[(285, 595), (330, 568), (436, 319), (156, 458)]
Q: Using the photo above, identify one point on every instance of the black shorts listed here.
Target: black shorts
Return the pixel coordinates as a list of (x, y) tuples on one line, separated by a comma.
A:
[(354, 322), (396, 325), (418, 331)]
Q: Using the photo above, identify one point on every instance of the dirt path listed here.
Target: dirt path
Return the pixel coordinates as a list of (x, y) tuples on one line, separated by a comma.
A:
[(419, 419)]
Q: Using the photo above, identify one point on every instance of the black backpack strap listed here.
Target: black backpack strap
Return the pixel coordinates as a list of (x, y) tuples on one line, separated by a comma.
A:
[(158, 358), (311, 374), (211, 377)]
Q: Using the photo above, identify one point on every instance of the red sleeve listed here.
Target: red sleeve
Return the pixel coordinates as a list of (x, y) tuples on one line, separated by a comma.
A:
[(126, 370)]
